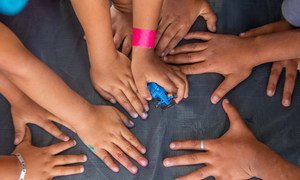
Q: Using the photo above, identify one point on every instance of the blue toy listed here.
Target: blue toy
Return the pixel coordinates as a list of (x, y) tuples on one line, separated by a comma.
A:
[(159, 93), (12, 7)]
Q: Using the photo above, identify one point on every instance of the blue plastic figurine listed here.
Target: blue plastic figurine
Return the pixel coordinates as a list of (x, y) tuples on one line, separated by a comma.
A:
[(12, 7), (159, 93)]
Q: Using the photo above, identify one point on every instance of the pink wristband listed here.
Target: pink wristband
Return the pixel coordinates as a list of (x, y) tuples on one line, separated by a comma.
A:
[(143, 38)]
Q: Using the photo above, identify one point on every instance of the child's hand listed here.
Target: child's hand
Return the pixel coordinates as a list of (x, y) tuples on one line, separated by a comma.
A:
[(114, 82), (44, 163), (229, 55), (122, 29), (173, 26), (106, 133), (149, 68), (27, 111)]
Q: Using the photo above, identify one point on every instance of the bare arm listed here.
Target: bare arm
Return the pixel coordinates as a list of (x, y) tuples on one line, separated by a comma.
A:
[(9, 167)]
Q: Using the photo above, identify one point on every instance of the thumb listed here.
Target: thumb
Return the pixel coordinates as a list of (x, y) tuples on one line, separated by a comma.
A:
[(235, 119), (19, 131), (141, 85), (27, 137), (210, 17)]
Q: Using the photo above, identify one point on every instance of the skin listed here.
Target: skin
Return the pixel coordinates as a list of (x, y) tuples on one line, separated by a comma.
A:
[(173, 26), (222, 157), (110, 69), (290, 66), (44, 87), (146, 65), (233, 56), (24, 111), (41, 163)]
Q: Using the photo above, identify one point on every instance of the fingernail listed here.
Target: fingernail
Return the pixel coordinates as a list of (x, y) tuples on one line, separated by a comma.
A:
[(144, 115), (131, 123), (144, 162), (143, 150), (84, 158), (286, 103), (66, 138), (82, 169), (134, 115), (270, 92), (146, 108), (172, 146), (149, 98), (113, 101), (163, 54), (165, 58), (215, 99), (133, 169), (242, 34), (115, 169), (172, 51), (214, 28), (16, 141), (226, 101), (74, 143), (167, 163)]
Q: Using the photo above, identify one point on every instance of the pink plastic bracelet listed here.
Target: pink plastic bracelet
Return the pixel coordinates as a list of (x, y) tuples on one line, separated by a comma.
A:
[(143, 38)]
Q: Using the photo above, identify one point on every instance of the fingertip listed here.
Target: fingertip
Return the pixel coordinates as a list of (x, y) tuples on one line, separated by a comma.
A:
[(16, 141), (270, 92), (167, 162), (242, 34), (286, 102), (172, 145), (113, 101), (215, 99), (81, 169)]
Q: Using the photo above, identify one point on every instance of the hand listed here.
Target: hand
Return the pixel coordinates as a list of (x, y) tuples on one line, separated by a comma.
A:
[(26, 111), (231, 56), (222, 157), (173, 26), (149, 68), (104, 130), (277, 67), (122, 29), (114, 82), (43, 163)]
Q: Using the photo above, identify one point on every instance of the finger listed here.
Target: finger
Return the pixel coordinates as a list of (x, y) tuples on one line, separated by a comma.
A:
[(274, 77), (135, 102), (133, 140), (180, 84), (20, 129), (125, 103), (175, 40), (131, 151), (233, 115), (205, 36), (60, 147), (125, 119), (168, 85), (210, 17), (52, 129), (289, 84), (200, 173), (143, 101), (189, 48), (163, 25), (188, 159), (229, 83), (141, 85), (66, 124), (107, 96), (186, 58), (27, 137), (167, 36), (108, 161), (126, 48), (121, 157), (197, 68), (191, 145), (118, 40), (184, 78), (69, 159), (67, 170)]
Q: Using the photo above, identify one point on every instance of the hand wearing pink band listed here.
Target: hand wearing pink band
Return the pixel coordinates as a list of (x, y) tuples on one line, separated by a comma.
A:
[(143, 38)]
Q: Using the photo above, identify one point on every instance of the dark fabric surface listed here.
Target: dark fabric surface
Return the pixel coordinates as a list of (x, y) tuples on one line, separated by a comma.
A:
[(50, 30)]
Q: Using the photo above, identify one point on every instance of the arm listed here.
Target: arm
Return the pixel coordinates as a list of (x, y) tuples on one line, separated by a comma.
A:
[(9, 167)]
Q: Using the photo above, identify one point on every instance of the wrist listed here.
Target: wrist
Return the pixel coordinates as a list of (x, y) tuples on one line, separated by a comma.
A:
[(83, 116), (138, 52), (255, 58)]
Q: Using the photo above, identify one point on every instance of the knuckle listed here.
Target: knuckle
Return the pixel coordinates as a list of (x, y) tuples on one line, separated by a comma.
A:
[(128, 148), (193, 158)]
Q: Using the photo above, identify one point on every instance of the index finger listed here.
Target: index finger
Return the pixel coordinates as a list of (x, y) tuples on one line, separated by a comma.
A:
[(191, 145)]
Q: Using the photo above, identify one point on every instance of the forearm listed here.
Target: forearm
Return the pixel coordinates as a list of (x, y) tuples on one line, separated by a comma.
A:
[(9, 90), (94, 17), (9, 167), (38, 81), (124, 6), (271, 166), (277, 46)]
